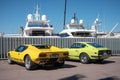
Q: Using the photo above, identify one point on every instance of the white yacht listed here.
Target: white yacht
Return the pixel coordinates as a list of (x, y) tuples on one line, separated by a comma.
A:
[(77, 29), (36, 26)]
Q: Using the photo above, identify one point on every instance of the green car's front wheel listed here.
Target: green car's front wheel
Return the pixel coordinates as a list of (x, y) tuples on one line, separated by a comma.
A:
[(84, 58)]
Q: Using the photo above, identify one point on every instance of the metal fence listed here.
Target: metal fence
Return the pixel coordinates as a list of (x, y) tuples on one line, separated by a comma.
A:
[(10, 43)]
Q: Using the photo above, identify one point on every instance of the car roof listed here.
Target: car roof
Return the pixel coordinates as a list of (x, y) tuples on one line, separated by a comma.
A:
[(84, 42), (35, 45)]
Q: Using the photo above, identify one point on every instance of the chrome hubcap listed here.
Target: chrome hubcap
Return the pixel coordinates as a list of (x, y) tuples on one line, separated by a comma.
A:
[(84, 59), (9, 59), (27, 62)]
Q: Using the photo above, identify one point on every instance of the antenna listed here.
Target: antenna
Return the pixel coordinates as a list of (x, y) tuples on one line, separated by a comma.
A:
[(37, 15), (75, 18)]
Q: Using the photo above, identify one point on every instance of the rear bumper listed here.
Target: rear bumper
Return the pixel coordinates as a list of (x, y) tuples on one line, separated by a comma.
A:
[(47, 61)]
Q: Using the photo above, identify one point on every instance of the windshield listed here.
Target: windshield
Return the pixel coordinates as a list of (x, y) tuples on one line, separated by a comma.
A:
[(95, 45), (37, 24)]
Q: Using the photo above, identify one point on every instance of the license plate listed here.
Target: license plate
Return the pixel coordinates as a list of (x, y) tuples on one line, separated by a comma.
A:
[(54, 55)]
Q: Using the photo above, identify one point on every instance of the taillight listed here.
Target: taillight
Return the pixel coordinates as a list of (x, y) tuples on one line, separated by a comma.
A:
[(42, 55), (65, 54)]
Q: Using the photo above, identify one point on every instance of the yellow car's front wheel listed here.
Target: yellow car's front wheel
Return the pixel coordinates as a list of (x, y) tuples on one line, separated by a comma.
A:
[(9, 60)]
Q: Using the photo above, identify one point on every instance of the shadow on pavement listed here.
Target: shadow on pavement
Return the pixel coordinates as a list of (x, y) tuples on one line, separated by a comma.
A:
[(74, 77), (51, 67), (104, 62), (95, 62), (110, 78)]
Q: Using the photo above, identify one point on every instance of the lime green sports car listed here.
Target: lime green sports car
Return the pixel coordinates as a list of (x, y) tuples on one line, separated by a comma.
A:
[(87, 51)]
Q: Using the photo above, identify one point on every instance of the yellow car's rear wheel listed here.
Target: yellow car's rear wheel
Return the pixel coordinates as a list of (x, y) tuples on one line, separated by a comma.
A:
[(28, 63)]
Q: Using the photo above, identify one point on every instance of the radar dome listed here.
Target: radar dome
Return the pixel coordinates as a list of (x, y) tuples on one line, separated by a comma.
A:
[(72, 21), (81, 22), (96, 21), (29, 17), (44, 18)]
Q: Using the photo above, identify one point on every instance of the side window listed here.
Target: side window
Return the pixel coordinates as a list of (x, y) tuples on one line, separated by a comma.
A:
[(78, 45), (21, 48), (83, 45), (73, 46)]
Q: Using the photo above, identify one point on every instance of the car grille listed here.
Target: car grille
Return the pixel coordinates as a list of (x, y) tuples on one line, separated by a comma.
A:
[(104, 52)]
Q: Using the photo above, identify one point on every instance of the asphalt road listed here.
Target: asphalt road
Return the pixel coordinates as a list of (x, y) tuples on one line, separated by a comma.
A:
[(72, 70)]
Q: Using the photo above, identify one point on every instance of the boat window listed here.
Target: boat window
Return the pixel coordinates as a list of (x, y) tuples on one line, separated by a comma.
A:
[(39, 33), (37, 24), (80, 34), (64, 35), (75, 27), (78, 45)]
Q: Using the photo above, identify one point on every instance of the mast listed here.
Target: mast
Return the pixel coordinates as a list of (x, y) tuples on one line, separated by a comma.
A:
[(37, 15), (65, 14)]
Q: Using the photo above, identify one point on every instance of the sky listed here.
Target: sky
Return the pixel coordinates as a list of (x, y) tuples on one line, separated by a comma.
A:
[(13, 13)]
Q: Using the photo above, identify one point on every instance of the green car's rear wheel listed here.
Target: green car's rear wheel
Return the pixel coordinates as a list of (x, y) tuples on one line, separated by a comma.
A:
[(84, 58)]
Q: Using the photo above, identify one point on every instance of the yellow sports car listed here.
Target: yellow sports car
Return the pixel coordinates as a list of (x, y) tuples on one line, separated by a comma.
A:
[(32, 55), (87, 51)]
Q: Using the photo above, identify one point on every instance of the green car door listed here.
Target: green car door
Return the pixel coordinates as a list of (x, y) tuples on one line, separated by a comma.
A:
[(75, 50)]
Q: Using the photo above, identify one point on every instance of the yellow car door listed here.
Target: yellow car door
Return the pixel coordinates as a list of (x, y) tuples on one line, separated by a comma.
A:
[(73, 52), (14, 55)]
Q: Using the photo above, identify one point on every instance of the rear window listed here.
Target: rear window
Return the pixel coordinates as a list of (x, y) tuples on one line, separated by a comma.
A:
[(41, 46), (96, 45)]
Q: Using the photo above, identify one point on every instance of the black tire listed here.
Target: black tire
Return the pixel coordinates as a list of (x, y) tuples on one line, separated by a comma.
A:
[(29, 65), (9, 60), (84, 58), (59, 64)]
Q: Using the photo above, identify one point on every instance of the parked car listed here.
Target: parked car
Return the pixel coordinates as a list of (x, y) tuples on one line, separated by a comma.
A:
[(87, 51), (33, 55)]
